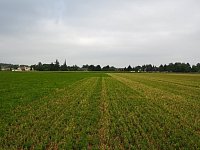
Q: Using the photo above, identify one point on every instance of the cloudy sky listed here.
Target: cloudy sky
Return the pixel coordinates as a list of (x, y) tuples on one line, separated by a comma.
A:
[(115, 32)]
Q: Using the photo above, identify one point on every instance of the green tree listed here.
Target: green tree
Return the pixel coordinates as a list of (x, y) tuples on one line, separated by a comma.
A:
[(33, 67), (106, 68), (74, 68), (52, 68), (85, 66), (64, 66), (198, 67), (187, 67), (112, 68), (149, 68), (129, 68), (91, 68), (98, 68), (138, 68), (161, 68), (56, 66), (46, 67), (39, 67)]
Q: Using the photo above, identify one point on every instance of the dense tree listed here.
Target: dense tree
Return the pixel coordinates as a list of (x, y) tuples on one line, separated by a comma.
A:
[(91, 68), (85, 66), (39, 67), (148, 68), (187, 67), (32, 67), (52, 67), (165, 67), (129, 68), (64, 66), (46, 67), (170, 67), (198, 67), (56, 66), (112, 68), (98, 68), (73, 68), (14, 66), (161, 68), (138, 68), (106, 68), (180, 67)]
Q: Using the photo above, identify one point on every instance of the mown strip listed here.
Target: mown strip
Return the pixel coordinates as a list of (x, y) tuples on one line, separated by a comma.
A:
[(105, 118)]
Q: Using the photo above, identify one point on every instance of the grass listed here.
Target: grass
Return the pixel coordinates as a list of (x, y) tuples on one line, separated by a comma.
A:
[(76, 110)]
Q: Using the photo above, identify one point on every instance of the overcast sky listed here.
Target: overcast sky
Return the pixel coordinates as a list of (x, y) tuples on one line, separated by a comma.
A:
[(114, 32)]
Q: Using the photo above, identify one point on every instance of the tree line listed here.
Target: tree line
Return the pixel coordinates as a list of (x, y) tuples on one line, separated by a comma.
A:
[(171, 67), (64, 67)]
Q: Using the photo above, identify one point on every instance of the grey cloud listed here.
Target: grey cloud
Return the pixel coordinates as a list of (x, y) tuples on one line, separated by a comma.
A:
[(117, 32)]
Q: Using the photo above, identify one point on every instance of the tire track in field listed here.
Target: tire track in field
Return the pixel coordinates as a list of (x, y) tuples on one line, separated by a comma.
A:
[(46, 114), (127, 130), (104, 120)]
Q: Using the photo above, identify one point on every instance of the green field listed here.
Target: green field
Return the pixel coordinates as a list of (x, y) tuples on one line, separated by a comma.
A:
[(58, 110)]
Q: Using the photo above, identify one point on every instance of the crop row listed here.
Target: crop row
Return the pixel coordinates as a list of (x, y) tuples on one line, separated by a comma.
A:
[(166, 118), (63, 120)]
